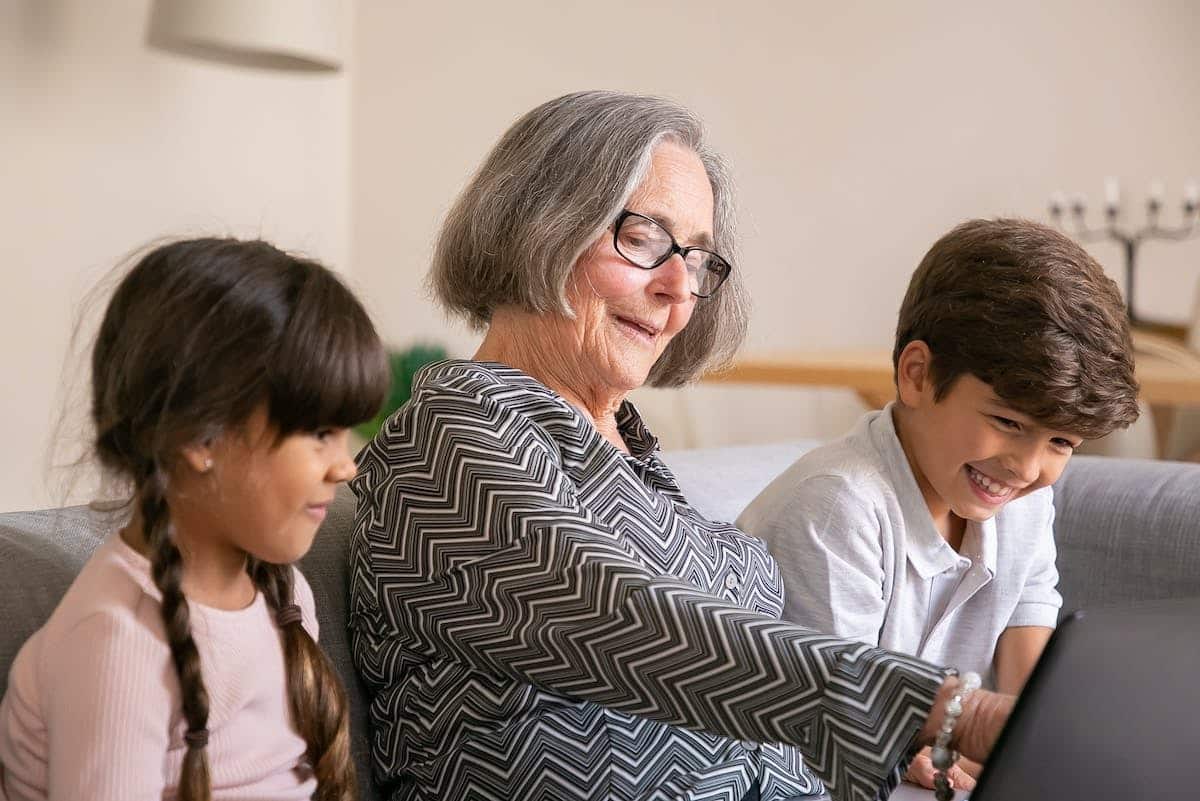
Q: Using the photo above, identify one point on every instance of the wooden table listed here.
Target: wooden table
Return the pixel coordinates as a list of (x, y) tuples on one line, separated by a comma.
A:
[(1167, 372), (1169, 375), (867, 372)]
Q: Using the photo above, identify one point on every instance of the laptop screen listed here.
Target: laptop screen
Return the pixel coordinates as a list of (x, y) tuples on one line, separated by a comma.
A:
[(1112, 711)]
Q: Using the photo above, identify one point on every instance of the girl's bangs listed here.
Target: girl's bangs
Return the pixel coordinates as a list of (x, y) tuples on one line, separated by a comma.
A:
[(331, 369)]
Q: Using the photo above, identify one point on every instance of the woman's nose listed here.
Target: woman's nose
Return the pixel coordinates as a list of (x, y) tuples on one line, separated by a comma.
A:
[(672, 279)]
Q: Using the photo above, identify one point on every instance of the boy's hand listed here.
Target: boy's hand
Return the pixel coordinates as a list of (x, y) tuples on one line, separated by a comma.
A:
[(921, 771)]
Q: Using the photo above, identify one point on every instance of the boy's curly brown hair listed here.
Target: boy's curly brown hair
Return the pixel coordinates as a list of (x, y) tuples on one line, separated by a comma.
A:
[(1025, 309)]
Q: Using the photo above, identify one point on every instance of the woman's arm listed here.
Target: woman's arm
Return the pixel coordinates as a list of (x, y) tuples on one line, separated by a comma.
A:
[(472, 544), (983, 717)]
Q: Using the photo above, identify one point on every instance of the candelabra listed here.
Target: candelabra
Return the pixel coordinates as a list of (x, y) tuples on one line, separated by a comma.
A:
[(1130, 239)]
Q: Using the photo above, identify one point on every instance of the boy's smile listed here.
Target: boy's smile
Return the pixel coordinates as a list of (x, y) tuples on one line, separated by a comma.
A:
[(969, 452), (988, 488)]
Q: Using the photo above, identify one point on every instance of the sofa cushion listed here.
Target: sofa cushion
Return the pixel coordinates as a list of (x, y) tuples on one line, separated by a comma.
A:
[(721, 482), (40, 555), (1127, 530)]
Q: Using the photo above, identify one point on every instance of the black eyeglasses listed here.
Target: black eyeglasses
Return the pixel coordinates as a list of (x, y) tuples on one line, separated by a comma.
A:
[(646, 244)]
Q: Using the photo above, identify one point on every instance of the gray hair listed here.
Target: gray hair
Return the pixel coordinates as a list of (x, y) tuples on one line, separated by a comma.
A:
[(549, 188)]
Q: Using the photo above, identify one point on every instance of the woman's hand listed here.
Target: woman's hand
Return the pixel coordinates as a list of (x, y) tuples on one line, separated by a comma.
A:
[(921, 772), (984, 715)]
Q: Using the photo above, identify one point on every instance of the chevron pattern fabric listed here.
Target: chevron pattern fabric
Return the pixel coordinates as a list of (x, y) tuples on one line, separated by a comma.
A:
[(539, 616)]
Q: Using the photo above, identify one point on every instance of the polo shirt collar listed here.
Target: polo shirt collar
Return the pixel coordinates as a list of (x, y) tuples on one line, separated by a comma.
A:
[(986, 531)]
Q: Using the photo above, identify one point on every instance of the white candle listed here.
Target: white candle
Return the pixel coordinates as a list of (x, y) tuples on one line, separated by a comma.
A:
[(1155, 195), (1112, 193), (1191, 194)]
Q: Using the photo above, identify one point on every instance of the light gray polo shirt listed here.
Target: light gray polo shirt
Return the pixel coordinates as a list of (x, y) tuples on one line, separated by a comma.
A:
[(862, 559)]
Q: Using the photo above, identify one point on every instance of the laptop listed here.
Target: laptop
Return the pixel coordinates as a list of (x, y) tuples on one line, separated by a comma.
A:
[(1112, 711)]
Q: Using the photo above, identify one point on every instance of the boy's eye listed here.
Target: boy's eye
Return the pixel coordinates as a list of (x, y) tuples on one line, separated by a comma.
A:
[(1007, 423), (323, 434), (1065, 443)]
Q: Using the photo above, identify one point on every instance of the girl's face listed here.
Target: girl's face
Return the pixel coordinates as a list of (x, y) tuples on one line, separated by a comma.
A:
[(268, 496)]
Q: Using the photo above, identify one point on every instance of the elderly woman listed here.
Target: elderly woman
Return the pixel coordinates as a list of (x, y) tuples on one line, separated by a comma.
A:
[(538, 612)]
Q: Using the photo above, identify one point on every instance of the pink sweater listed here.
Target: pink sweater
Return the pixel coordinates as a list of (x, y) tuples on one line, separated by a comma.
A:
[(92, 711)]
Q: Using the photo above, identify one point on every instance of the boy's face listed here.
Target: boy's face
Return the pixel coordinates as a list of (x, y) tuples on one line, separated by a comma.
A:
[(971, 453)]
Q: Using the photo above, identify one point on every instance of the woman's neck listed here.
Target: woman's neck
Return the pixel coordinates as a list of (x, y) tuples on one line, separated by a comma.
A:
[(540, 346)]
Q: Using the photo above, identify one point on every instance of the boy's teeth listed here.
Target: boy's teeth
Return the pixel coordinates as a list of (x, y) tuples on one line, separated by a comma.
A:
[(991, 486)]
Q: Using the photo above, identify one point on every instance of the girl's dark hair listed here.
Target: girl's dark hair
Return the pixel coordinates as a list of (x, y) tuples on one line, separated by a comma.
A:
[(197, 336)]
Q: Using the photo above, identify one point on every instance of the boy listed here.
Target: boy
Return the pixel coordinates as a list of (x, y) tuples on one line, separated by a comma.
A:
[(928, 528)]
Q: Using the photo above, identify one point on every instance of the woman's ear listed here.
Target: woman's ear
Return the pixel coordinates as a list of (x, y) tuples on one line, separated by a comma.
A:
[(914, 379)]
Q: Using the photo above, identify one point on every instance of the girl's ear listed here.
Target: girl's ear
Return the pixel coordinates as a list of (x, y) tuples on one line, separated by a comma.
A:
[(199, 456), (914, 382)]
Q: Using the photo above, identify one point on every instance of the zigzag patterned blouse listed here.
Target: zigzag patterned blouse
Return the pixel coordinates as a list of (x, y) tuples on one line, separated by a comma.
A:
[(538, 615)]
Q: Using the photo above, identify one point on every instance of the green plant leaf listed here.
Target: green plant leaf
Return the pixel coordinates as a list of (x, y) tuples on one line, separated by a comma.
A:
[(404, 364)]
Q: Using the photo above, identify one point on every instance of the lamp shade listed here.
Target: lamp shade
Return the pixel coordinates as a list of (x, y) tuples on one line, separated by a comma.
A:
[(269, 34)]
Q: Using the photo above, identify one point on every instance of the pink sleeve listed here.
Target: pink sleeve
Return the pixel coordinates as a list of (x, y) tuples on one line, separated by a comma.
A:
[(109, 698)]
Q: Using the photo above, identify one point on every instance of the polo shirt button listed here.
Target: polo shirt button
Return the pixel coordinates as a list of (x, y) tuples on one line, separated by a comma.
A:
[(731, 582), (750, 745)]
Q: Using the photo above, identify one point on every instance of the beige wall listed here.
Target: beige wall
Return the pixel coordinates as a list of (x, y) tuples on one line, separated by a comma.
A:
[(105, 144), (858, 131)]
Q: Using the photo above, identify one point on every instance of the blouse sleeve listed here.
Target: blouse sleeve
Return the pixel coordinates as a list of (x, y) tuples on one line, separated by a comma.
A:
[(476, 547)]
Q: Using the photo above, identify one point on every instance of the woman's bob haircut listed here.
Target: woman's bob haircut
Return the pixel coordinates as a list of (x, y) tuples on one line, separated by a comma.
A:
[(550, 188)]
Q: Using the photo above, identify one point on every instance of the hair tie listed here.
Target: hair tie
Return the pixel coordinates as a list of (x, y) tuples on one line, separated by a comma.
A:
[(196, 738), (289, 614)]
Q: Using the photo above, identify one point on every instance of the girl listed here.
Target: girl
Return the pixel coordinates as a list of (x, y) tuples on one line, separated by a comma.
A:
[(182, 662)]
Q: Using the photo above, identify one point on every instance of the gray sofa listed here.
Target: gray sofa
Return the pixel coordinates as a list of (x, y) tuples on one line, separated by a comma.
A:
[(1126, 530)]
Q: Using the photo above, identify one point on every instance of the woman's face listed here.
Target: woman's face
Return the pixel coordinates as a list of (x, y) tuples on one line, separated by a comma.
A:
[(626, 316)]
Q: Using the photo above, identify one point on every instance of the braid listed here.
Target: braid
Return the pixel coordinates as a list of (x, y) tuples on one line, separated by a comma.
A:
[(315, 694), (166, 567)]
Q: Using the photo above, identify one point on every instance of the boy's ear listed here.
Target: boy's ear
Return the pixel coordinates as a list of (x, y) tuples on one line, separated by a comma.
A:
[(914, 381)]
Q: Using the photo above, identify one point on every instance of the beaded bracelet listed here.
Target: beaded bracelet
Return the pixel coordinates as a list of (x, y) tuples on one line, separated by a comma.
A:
[(943, 756)]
